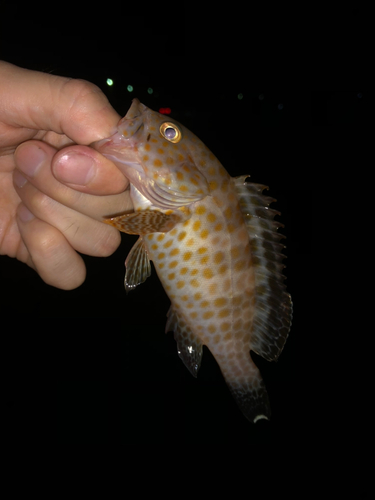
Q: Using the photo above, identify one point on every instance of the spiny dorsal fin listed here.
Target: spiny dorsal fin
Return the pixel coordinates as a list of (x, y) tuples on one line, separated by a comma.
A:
[(273, 305)]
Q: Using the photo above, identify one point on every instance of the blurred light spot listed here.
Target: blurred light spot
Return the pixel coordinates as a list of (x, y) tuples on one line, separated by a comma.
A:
[(165, 111), (109, 82), (150, 90), (261, 97), (130, 88), (280, 106), (240, 97), (359, 95)]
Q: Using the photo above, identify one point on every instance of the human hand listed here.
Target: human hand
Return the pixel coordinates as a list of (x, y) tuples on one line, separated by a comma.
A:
[(51, 204)]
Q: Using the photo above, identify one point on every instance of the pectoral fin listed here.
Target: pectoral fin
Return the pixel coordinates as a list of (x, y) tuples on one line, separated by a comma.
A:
[(138, 267), (147, 221)]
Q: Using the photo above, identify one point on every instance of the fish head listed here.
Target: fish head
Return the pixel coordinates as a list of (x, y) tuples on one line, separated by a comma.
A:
[(156, 155)]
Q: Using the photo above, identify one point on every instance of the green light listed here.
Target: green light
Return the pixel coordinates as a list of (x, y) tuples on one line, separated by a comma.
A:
[(240, 97), (150, 90), (130, 88), (109, 82)]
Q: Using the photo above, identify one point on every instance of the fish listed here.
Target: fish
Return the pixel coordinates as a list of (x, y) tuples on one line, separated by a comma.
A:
[(215, 245)]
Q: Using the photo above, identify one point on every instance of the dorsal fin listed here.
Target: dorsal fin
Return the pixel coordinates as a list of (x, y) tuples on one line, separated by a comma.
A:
[(273, 305)]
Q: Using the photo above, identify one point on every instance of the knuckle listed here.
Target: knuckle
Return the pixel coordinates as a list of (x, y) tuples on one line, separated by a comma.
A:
[(41, 203), (107, 242)]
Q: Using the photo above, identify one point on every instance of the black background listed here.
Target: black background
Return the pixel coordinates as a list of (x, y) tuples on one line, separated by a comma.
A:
[(93, 365)]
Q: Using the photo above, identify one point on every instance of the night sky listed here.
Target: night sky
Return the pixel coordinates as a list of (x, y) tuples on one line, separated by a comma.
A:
[(93, 365)]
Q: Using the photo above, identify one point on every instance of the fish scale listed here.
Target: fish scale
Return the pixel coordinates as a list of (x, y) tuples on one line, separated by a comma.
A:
[(214, 244)]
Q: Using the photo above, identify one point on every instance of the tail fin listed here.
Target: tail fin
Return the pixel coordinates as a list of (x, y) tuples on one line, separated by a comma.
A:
[(252, 399), (246, 385)]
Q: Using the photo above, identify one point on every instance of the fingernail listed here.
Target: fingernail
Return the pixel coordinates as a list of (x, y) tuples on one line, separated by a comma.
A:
[(24, 213), (29, 158), (75, 168)]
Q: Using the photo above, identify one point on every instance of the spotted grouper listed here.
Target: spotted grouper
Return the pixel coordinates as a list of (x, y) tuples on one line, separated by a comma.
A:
[(215, 247)]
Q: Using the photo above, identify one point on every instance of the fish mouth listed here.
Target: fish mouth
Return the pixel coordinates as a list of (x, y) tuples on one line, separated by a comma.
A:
[(136, 110)]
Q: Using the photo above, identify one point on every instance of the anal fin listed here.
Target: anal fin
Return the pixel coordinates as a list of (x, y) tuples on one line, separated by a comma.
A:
[(189, 347)]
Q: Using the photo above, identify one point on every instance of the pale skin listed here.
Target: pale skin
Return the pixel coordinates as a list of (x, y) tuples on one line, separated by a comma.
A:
[(51, 203)]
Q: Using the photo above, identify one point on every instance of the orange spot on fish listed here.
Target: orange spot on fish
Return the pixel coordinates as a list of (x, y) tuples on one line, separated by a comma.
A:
[(204, 260), (228, 213), (158, 163), (200, 210), (225, 326), (202, 250), (224, 313), (220, 302), (218, 257), (197, 224), (204, 233), (207, 315), (207, 273)]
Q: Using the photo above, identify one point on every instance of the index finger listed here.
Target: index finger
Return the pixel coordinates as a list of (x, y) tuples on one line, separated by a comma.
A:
[(42, 101)]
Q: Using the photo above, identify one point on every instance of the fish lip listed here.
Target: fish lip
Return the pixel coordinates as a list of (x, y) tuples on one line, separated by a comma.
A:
[(136, 109)]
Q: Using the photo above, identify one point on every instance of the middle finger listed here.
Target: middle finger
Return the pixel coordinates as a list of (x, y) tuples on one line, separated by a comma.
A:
[(85, 234)]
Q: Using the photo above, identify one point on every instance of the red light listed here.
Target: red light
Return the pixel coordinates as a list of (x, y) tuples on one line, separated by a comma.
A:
[(165, 111)]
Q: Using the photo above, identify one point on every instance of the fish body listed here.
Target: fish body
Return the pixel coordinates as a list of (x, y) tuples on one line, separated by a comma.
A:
[(214, 244)]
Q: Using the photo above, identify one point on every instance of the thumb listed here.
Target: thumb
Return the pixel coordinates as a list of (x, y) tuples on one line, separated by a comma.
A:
[(85, 170), (42, 101)]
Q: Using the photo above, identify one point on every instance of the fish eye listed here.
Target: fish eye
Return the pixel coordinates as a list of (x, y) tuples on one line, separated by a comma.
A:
[(171, 132)]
